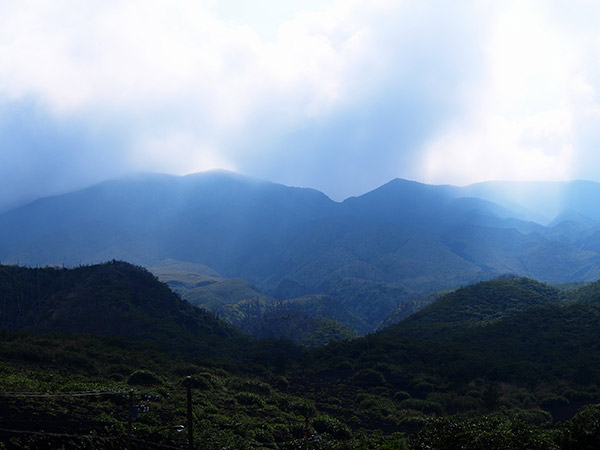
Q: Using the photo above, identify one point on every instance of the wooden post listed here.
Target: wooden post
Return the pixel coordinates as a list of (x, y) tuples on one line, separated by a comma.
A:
[(306, 428)]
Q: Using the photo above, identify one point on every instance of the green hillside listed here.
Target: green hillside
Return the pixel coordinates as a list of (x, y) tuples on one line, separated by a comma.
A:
[(512, 330), (515, 356), (487, 302)]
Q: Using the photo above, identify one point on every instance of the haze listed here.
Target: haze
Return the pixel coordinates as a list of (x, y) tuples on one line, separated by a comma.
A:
[(341, 96)]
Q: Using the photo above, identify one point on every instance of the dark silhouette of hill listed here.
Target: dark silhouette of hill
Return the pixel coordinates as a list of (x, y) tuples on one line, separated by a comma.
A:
[(110, 299)]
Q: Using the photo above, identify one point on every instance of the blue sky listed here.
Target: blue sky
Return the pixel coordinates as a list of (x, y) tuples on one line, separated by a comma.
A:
[(341, 96)]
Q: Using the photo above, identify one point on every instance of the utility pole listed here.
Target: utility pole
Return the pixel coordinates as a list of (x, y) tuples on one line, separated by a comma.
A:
[(188, 386), (306, 435)]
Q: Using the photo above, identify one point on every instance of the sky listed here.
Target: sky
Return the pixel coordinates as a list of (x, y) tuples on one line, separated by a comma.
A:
[(341, 96)]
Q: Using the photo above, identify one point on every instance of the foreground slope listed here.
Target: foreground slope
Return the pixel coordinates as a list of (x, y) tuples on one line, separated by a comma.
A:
[(527, 355)]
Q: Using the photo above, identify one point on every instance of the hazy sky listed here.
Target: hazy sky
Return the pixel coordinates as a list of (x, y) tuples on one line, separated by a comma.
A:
[(341, 96)]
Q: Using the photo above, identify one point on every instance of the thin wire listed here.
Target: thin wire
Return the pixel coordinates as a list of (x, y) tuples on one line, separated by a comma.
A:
[(88, 436), (47, 433), (60, 394)]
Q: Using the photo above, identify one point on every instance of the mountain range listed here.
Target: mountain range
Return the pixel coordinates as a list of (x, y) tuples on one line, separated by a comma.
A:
[(365, 255)]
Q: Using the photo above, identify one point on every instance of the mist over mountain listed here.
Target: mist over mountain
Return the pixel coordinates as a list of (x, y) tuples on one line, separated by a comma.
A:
[(544, 201), (369, 253)]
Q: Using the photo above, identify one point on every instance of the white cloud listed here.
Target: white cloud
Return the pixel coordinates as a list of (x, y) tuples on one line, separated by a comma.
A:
[(178, 153), (176, 63), (524, 117), (436, 91), (140, 54)]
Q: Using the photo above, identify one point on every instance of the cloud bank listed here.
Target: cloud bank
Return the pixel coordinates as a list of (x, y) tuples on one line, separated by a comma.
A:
[(337, 95)]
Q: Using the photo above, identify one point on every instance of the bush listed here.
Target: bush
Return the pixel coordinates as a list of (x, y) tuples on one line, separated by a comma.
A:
[(368, 377), (282, 383), (186, 369), (281, 433), (255, 386), (537, 417), (355, 421), (392, 445), (578, 396), (249, 399), (412, 422), (425, 386), (199, 382), (473, 394), (334, 401), (303, 408), (121, 369), (376, 406), (344, 366), (453, 403), (263, 435), (485, 432), (401, 395), (72, 359), (554, 401), (332, 426), (582, 432), (144, 378), (425, 406)]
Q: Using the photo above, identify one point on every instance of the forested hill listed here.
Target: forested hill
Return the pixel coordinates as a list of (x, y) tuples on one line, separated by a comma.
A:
[(110, 299), (487, 302), (507, 330)]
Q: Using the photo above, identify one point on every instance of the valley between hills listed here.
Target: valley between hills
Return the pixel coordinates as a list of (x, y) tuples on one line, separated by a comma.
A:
[(412, 317)]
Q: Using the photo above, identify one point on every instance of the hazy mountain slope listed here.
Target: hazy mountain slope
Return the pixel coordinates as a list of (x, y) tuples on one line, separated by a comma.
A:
[(369, 252), (561, 262), (154, 217), (543, 200), (266, 233)]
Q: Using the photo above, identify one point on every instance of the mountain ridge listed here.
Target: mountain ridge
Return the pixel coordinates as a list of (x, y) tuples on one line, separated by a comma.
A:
[(380, 249)]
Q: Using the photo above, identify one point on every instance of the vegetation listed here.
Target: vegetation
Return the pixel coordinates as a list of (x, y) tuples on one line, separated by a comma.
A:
[(309, 320), (505, 364)]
